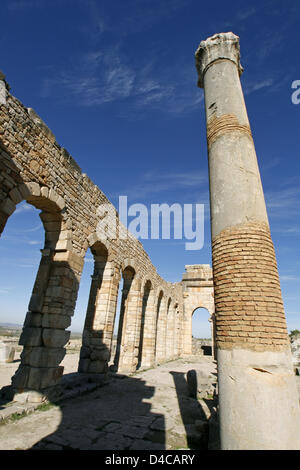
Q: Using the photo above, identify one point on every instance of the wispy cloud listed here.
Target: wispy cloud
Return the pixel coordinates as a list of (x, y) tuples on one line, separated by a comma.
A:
[(108, 80), (271, 164), (153, 183), (5, 290), (244, 14), (100, 78), (20, 265), (106, 74), (24, 207), (250, 88), (283, 201), (289, 278)]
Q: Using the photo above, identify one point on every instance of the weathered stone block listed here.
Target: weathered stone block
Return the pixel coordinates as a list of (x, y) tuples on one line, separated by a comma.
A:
[(8, 206), (40, 378), (7, 352), (84, 365), (55, 338), (33, 320), (29, 397), (33, 188), (15, 195), (3, 93), (20, 379), (31, 337), (102, 355), (42, 357), (36, 303), (60, 322), (98, 367)]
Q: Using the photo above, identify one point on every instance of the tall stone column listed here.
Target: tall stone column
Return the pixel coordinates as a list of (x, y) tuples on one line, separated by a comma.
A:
[(259, 407), (129, 346), (148, 351), (160, 355)]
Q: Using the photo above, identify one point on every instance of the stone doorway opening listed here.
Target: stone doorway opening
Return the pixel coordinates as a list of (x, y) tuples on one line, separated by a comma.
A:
[(201, 332), (20, 254)]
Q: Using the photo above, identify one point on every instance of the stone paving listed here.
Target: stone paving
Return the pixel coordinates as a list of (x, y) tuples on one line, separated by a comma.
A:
[(151, 409)]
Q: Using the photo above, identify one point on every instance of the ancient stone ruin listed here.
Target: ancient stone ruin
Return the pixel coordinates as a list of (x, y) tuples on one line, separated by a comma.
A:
[(257, 390)]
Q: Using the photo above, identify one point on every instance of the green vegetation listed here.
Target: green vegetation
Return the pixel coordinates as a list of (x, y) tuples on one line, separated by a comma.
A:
[(294, 333), (45, 406), (17, 416)]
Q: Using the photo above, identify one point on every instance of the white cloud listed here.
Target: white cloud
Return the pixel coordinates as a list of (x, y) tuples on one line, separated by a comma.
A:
[(5, 290), (289, 278), (243, 15), (283, 202), (23, 207), (153, 182), (258, 86)]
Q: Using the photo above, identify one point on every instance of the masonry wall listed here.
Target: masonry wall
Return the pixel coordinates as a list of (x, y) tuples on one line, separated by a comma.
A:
[(35, 168)]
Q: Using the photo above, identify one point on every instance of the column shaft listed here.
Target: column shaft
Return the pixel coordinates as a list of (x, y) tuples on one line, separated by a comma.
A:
[(258, 399)]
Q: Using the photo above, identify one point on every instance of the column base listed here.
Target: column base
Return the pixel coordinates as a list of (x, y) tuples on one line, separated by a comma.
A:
[(258, 399)]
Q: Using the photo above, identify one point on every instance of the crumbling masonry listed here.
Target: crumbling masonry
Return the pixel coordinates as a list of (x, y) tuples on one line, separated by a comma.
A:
[(34, 168)]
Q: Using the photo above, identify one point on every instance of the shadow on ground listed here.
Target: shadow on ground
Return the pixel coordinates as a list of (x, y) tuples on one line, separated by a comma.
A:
[(113, 417), (199, 416)]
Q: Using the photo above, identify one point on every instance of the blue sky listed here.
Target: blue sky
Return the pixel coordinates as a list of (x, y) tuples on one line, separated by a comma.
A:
[(116, 83)]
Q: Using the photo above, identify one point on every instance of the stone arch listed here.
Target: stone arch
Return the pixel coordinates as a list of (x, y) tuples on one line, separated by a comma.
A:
[(129, 263), (96, 341), (210, 307), (54, 292), (53, 215), (93, 240)]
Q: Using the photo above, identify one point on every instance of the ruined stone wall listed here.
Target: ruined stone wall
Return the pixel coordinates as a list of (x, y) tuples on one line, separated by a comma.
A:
[(36, 169), (198, 292)]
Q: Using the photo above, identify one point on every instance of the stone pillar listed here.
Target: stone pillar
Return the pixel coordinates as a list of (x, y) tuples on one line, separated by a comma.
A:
[(126, 330), (160, 355), (186, 332), (177, 333), (44, 333), (170, 333), (98, 328), (129, 348), (148, 347), (258, 400)]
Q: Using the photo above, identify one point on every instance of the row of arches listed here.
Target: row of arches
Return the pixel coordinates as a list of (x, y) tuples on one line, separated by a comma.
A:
[(148, 323), (150, 319)]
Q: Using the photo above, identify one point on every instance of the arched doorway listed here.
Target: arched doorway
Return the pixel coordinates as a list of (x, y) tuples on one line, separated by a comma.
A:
[(53, 297), (20, 253), (201, 331)]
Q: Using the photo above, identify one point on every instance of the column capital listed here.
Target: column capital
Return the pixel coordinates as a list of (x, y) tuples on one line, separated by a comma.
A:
[(221, 46)]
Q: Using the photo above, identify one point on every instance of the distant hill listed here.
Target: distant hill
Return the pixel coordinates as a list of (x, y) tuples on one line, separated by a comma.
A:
[(11, 325)]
